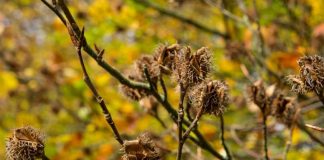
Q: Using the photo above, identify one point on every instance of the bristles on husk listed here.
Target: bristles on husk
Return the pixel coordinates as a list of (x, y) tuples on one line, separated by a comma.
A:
[(211, 95)]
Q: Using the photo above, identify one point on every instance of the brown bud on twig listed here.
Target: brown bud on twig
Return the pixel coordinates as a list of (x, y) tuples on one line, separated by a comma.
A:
[(26, 143), (100, 52), (212, 96)]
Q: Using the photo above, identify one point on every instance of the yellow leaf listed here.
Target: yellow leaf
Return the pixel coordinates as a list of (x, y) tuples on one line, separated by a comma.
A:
[(8, 81)]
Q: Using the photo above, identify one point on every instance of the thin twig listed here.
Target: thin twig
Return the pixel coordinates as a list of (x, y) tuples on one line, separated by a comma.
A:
[(55, 11), (158, 118), (180, 17), (302, 126), (261, 39), (302, 28), (190, 128), (315, 127), (69, 16), (148, 77), (228, 154), (225, 20), (320, 95), (262, 45), (183, 90), (288, 143), (310, 107), (205, 145), (265, 134), (96, 94), (242, 146), (229, 14), (165, 91), (188, 108)]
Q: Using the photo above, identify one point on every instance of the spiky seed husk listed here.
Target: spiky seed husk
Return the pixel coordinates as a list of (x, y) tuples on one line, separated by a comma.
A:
[(212, 96), (257, 94), (151, 65), (312, 72), (165, 57), (311, 75), (141, 148), (297, 85), (26, 143), (284, 109), (132, 93), (136, 73), (191, 69)]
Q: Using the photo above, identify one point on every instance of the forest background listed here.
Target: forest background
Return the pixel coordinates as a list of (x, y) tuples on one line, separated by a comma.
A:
[(42, 86)]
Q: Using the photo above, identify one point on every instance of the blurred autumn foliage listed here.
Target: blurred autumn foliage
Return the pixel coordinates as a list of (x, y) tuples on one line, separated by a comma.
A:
[(42, 85)]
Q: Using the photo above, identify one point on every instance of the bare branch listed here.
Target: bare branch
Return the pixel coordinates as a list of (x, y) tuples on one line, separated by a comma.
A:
[(288, 143), (180, 17), (165, 91), (55, 11), (96, 94), (229, 157), (265, 136), (241, 144), (261, 39), (183, 90), (301, 125), (228, 14), (320, 95), (315, 127), (190, 128)]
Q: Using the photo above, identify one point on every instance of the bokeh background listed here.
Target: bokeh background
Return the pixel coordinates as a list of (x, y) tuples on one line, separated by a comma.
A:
[(41, 81)]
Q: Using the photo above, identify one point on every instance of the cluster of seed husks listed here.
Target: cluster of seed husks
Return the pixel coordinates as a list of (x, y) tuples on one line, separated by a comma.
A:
[(25, 144), (188, 69), (160, 63), (273, 103)]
